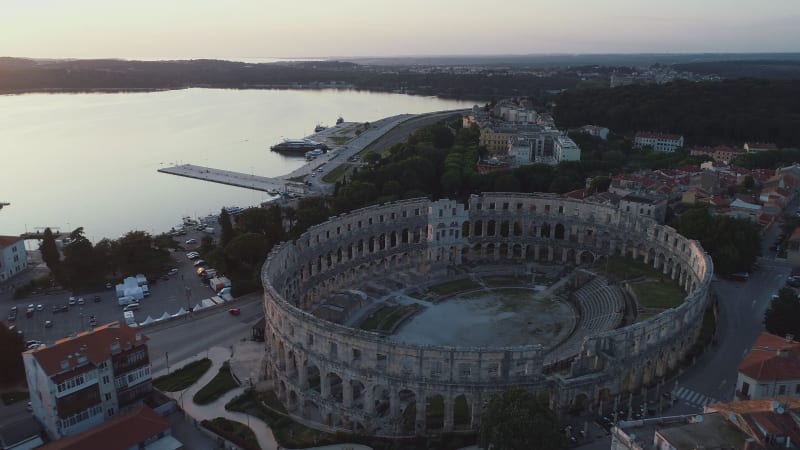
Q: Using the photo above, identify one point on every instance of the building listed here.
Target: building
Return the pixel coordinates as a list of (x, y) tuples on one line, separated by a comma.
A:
[(520, 149), (496, 139), (565, 149), (141, 428), (770, 369), (13, 258), (660, 142), (741, 425), (751, 147), (596, 131), (82, 380), (645, 204)]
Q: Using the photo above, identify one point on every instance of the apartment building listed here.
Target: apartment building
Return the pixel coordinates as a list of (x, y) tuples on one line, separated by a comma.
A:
[(660, 142), (83, 380), (565, 149), (13, 258)]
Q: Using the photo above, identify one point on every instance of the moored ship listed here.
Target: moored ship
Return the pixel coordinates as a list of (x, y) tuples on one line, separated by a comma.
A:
[(299, 146)]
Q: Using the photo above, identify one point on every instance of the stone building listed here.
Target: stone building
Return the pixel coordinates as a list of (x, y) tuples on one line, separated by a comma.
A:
[(337, 378)]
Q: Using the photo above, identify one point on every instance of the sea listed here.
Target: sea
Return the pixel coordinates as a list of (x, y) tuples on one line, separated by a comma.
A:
[(90, 160)]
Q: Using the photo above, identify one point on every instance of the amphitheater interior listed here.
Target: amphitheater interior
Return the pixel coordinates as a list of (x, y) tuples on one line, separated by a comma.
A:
[(405, 318)]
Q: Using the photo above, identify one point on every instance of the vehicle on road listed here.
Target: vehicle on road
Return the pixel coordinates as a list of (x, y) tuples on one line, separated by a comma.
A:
[(126, 300), (130, 307), (40, 307), (48, 324), (235, 311), (12, 317), (199, 263), (29, 407), (108, 286), (72, 301), (191, 241), (97, 299), (172, 271), (193, 255), (130, 319), (81, 301), (60, 308)]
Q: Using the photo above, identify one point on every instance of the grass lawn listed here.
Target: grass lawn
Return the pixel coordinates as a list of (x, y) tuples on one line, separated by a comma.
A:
[(299, 179), (183, 377), (656, 294), (217, 387), (626, 268), (337, 173), (452, 287), (340, 140), (236, 432), (10, 398), (510, 280)]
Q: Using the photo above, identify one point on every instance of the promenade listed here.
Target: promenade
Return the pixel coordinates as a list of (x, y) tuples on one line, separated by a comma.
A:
[(228, 177)]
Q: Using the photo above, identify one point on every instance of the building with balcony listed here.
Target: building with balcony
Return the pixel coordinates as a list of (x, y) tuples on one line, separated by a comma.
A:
[(83, 380), (13, 258), (770, 369), (660, 142)]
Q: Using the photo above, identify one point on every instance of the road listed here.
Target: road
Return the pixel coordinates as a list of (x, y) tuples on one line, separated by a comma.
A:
[(183, 338)]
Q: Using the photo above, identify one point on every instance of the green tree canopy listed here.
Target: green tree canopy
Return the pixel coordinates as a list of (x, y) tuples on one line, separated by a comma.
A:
[(516, 420), (780, 318), (50, 253)]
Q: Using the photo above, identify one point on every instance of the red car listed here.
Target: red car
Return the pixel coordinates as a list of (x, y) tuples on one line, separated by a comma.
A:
[(235, 311)]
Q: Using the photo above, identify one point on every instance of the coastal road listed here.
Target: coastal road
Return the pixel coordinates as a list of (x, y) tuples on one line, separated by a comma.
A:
[(182, 338)]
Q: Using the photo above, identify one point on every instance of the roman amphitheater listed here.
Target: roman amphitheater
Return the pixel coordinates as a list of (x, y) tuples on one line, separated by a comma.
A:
[(405, 318)]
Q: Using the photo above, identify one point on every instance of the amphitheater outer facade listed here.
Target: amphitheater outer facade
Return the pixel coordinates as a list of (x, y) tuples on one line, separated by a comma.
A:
[(337, 378)]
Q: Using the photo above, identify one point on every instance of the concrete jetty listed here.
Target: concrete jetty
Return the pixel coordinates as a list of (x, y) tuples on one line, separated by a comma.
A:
[(228, 177)]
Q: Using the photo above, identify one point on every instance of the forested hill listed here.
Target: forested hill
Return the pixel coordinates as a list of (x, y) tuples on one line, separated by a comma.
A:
[(725, 112), (23, 75)]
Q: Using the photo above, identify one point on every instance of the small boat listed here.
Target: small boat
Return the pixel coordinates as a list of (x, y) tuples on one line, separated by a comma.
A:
[(319, 128), (339, 120)]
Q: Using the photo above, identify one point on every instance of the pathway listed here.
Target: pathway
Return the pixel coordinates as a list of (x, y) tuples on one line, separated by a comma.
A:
[(242, 363)]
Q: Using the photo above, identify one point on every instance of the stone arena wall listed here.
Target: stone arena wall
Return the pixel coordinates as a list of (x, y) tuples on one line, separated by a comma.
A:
[(346, 379)]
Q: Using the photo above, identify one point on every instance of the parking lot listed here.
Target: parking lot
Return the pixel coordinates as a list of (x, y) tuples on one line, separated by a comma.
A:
[(182, 289)]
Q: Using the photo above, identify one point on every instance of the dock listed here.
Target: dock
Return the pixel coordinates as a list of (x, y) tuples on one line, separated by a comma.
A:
[(228, 177)]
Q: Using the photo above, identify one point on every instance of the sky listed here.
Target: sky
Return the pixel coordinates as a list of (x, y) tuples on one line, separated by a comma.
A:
[(233, 29)]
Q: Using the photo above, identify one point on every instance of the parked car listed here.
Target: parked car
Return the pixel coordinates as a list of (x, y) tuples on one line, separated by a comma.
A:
[(191, 241), (235, 311), (72, 301), (81, 301), (199, 263), (48, 324), (12, 316), (131, 307), (40, 307), (109, 286), (97, 299)]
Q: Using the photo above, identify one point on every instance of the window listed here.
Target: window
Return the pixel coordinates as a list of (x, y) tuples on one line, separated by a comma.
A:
[(110, 412), (519, 206), (782, 389), (464, 370), (491, 205), (797, 389), (108, 396), (310, 339), (505, 206), (106, 380)]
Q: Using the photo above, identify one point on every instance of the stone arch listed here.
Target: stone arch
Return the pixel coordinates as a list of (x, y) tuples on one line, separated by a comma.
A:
[(382, 241), (357, 390), (533, 230), (560, 232), (517, 231), (503, 250), (334, 389), (313, 377), (516, 251), (393, 240), (465, 229), (505, 228), (579, 404), (545, 230), (465, 254), (404, 236), (587, 257), (478, 228), (434, 412), (407, 400), (491, 228), (381, 401), (462, 415)]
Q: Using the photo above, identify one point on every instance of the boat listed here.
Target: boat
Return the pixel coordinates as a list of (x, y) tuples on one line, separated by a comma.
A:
[(319, 128), (299, 146), (233, 210), (339, 120), (313, 154)]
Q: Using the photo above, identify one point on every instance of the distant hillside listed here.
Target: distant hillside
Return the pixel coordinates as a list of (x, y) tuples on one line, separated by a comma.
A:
[(726, 112), (769, 69)]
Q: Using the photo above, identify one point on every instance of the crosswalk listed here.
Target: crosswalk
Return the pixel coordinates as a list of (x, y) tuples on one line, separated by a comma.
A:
[(692, 398)]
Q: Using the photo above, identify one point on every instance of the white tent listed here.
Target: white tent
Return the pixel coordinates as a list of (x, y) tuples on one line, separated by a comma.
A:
[(165, 316), (148, 321), (197, 308), (180, 312)]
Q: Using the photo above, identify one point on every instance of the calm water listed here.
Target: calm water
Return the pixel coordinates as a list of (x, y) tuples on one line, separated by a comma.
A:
[(91, 160)]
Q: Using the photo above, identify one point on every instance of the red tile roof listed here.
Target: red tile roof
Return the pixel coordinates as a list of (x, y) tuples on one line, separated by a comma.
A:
[(7, 241), (121, 432), (94, 345), (764, 363), (752, 416)]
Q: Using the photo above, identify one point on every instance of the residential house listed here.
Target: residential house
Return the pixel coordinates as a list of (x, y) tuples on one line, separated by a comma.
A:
[(770, 369), (13, 258), (759, 147), (595, 131), (83, 380)]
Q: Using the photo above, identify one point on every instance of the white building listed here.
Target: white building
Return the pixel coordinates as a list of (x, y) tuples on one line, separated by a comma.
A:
[(660, 142), (520, 149), (565, 149), (770, 369), (594, 130), (81, 381), (13, 257)]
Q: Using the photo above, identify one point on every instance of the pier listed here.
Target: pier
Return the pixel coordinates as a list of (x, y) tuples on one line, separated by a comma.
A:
[(228, 177)]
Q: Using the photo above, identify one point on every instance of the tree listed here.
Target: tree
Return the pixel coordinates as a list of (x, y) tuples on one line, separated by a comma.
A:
[(50, 253), (516, 419), (780, 318), (372, 158), (227, 228), (11, 348)]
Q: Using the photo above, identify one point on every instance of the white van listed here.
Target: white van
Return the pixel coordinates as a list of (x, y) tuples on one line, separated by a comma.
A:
[(126, 300), (129, 318), (145, 290), (130, 307)]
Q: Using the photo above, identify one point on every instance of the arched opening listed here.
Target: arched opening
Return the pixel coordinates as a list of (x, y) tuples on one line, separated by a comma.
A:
[(465, 229), (372, 244), (534, 230), (504, 228), (479, 228), (434, 412), (339, 255), (382, 242), (491, 228), (517, 251), (579, 404), (381, 399), (559, 234), (503, 250), (517, 229), (312, 373), (545, 230), (404, 236), (587, 257), (393, 240), (357, 389), (334, 386), (408, 411), (462, 416)]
